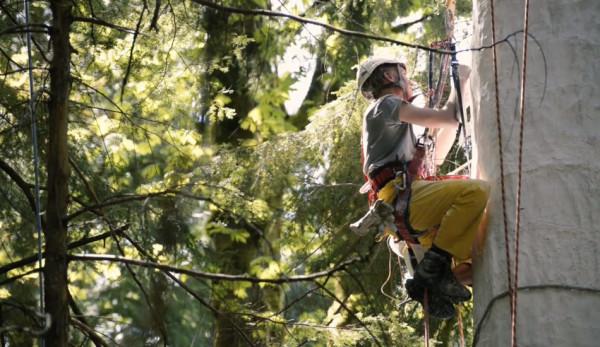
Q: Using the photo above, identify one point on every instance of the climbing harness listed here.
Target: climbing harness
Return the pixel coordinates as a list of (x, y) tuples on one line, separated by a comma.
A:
[(422, 166)]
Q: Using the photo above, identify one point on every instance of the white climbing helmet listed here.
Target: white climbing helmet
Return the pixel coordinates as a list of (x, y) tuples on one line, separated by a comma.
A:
[(365, 70)]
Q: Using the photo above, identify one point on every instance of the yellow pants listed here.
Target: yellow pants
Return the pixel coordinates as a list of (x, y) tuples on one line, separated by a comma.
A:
[(454, 207)]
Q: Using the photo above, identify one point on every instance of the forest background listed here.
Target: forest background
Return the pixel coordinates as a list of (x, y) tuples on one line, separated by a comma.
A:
[(182, 202)]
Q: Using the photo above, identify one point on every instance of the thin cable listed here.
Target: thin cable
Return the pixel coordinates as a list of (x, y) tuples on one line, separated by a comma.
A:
[(520, 170), (389, 275), (36, 160), (501, 157), (488, 309), (36, 163), (303, 24), (426, 317)]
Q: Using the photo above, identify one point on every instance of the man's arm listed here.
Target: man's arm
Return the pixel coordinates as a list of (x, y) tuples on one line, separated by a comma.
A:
[(444, 141), (427, 117)]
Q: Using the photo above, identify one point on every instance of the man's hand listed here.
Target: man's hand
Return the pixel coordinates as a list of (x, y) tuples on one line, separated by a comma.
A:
[(464, 72)]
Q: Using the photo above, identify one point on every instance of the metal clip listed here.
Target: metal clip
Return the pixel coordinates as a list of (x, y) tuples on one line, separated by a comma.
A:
[(401, 186)]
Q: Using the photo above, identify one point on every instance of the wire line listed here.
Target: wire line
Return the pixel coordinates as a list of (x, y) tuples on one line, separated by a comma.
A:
[(36, 162)]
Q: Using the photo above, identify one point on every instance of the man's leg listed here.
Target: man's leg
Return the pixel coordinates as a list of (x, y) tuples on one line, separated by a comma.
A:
[(456, 206)]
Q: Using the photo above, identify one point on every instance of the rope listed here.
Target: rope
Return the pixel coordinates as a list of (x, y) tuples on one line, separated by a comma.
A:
[(426, 317), (520, 170), (501, 157), (512, 286), (389, 275), (36, 162)]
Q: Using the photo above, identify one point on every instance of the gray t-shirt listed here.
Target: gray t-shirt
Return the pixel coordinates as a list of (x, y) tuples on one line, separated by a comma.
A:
[(385, 138)]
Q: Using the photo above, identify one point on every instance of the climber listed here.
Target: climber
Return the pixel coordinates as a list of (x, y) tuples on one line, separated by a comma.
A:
[(442, 216)]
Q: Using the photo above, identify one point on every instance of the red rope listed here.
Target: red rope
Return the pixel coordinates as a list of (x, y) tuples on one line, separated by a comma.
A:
[(512, 286), (518, 202), (501, 157)]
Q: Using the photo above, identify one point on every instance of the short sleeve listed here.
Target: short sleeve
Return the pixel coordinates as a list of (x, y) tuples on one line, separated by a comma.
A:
[(390, 109)]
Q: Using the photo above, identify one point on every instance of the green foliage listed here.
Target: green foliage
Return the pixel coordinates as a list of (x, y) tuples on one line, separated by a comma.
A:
[(185, 137)]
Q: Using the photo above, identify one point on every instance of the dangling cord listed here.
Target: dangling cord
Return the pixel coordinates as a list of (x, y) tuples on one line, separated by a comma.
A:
[(426, 317), (389, 276), (36, 162)]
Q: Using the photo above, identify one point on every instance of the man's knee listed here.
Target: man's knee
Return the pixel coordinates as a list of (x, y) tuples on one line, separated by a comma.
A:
[(480, 192)]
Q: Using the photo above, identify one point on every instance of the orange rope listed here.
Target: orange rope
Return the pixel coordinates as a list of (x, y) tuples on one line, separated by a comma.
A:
[(501, 157), (512, 286), (518, 200)]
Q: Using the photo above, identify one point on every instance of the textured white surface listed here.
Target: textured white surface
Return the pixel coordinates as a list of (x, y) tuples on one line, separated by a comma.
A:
[(560, 218)]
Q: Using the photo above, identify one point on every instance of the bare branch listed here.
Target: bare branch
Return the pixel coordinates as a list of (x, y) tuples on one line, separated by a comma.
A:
[(130, 61), (212, 276), (155, 16), (403, 26), (24, 274), (104, 23), (133, 197)]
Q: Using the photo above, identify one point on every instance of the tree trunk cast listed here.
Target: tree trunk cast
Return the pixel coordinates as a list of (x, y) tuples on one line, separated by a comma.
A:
[(559, 263), (55, 271)]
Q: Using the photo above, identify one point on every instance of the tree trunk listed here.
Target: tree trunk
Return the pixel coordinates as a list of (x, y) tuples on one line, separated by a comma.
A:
[(55, 271), (559, 264)]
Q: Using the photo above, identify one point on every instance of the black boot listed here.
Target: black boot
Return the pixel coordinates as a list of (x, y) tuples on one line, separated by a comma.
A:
[(438, 306), (435, 272)]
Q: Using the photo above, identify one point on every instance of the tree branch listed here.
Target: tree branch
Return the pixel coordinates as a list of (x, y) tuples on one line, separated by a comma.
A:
[(211, 276), (19, 181), (134, 276), (21, 275), (155, 16), (32, 259), (342, 304), (130, 61), (14, 20), (268, 13), (80, 322), (189, 290), (130, 198), (89, 332), (403, 26), (103, 23), (20, 29)]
